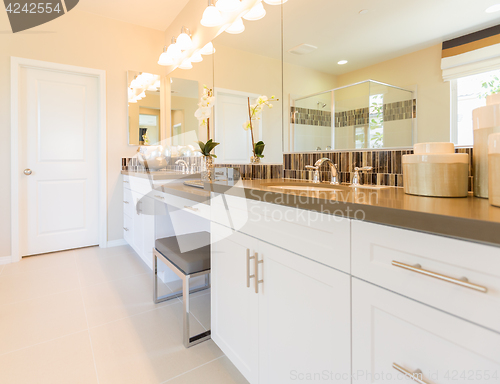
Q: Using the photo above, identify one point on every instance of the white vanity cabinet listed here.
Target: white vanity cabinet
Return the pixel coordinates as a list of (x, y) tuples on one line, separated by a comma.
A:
[(278, 316), (139, 228), (390, 331)]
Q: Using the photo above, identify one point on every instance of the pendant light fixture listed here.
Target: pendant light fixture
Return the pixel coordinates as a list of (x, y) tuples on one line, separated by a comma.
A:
[(211, 16), (275, 2), (186, 64), (236, 27), (256, 13), (208, 49), (227, 5), (196, 58), (174, 51), (184, 41)]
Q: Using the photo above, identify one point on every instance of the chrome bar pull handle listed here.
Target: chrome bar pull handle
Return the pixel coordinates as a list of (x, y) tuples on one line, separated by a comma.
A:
[(462, 283), (248, 268), (191, 208), (416, 376), (257, 281)]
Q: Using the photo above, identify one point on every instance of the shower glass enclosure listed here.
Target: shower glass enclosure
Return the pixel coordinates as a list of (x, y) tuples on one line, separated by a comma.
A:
[(365, 115)]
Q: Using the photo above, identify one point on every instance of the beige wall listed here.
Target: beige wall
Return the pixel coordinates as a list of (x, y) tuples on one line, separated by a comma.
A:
[(86, 40), (421, 69)]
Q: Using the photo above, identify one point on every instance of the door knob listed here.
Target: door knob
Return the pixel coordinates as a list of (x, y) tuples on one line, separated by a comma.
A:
[(28, 172)]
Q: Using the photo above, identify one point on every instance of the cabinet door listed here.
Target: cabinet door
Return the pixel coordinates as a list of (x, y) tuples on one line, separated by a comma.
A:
[(305, 326), (434, 346), (138, 233), (234, 304)]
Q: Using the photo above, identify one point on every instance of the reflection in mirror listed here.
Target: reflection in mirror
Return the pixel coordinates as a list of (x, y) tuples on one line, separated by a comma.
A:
[(415, 53), (144, 108), (248, 65), (184, 103)]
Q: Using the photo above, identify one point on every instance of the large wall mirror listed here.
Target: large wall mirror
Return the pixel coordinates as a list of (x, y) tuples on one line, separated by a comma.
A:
[(248, 65), (145, 110), (363, 74)]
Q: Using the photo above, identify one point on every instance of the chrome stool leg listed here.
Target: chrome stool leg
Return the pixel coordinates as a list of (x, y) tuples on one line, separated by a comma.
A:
[(186, 291)]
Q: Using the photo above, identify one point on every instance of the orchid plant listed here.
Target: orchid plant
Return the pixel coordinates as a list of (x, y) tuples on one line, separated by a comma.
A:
[(204, 112), (254, 113)]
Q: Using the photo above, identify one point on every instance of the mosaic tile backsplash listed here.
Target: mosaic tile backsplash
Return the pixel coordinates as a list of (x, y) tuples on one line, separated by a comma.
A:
[(306, 116), (248, 171), (387, 165)]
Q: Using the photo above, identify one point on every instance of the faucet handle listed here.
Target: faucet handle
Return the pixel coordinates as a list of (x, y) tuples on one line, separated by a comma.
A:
[(316, 175)]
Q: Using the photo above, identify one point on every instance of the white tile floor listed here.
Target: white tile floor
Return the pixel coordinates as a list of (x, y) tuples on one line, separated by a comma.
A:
[(87, 316)]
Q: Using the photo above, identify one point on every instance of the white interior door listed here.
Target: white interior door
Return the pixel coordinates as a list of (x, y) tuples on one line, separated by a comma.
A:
[(231, 112), (58, 144)]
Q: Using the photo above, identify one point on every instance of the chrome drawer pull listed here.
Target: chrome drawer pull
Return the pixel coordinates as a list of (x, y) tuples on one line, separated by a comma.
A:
[(125, 229), (416, 376), (126, 202), (159, 197), (191, 208), (248, 268), (126, 182), (257, 281), (462, 283)]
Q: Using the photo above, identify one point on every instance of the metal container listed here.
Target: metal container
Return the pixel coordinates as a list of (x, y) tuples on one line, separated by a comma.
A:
[(494, 169), (436, 170)]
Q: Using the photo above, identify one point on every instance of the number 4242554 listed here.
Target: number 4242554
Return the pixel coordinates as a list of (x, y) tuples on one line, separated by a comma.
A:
[(34, 8)]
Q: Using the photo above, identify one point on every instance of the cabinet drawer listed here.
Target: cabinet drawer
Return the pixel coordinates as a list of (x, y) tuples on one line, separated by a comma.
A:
[(128, 229), (390, 329), (437, 267), (126, 181), (179, 203), (128, 202), (319, 237)]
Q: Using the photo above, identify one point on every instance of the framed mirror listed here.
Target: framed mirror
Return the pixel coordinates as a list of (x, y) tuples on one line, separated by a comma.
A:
[(377, 72), (145, 112)]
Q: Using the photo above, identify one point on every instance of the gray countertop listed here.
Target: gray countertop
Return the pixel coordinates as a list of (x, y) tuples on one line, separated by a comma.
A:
[(468, 218)]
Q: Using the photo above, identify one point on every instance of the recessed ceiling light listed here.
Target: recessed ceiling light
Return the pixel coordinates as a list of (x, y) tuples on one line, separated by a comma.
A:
[(364, 11), (493, 8), (342, 62)]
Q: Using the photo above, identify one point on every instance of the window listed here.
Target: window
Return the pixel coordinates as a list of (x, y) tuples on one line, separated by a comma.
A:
[(467, 94)]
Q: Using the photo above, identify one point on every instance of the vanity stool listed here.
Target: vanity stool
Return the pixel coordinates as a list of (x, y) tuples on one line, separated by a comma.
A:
[(187, 265)]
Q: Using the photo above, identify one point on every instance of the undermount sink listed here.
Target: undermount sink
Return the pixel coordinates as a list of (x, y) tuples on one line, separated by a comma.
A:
[(321, 187), (307, 188)]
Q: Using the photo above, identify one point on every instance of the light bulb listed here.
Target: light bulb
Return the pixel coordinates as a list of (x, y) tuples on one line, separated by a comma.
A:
[(275, 2), (211, 17), (236, 27), (184, 41), (186, 64), (227, 5), (208, 49), (256, 13), (196, 58)]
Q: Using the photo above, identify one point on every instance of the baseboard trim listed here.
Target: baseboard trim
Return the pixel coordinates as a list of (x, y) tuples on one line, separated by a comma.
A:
[(5, 260), (116, 243)]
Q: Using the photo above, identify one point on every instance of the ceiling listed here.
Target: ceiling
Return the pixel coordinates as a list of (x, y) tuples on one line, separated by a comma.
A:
[(389, 29), (155, 14)]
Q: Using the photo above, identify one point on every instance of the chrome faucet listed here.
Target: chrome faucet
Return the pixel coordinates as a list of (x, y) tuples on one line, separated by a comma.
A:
[(185, 166), (333, 170), (355, 179)]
